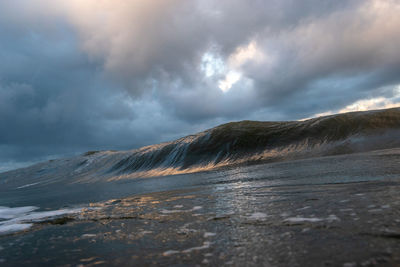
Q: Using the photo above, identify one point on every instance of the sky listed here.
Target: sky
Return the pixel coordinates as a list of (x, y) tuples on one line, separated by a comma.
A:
[(83, 75)]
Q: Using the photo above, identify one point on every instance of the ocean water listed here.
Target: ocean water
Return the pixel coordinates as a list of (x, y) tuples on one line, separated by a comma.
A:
[(334, 210)]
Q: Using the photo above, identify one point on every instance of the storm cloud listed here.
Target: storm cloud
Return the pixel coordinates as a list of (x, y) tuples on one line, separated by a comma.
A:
[(116, 74)]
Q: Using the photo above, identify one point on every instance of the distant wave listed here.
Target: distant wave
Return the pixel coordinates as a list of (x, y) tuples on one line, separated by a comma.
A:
[(235, 143)]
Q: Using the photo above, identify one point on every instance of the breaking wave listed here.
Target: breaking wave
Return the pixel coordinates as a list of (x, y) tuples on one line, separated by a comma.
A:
[(236, 143)]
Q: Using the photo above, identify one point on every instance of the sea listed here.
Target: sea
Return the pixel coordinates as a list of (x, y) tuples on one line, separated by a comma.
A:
[(327, 211)]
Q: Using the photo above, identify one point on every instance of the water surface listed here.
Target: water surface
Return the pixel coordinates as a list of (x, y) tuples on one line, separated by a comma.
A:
[(342, 210)]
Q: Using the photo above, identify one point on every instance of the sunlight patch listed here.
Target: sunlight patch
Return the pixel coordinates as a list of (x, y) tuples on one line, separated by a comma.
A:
[(367, 104), (244, 54), (230, 79), (211, 65), (226, 72)]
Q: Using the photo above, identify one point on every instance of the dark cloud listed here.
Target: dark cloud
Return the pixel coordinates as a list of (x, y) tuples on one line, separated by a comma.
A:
[(120, 74), (53, 100)]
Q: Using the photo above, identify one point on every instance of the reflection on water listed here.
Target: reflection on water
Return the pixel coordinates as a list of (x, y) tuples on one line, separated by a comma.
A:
[(275, 214), (382, 165)]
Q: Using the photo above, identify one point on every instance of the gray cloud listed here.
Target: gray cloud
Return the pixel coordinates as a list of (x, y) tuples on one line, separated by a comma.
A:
[(120, 74)]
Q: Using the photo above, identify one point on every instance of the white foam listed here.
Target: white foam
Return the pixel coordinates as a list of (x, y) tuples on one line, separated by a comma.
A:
[(258, 216), (165, 211), (11, 228), (302, 219), (185, 230), (22, 218), (349, 264), (170, 211), (170, 252), (27, 185), (9, 213), (208, 234), (88, 235), (349, 209), (330, 218), (205, 245), (146, 232)]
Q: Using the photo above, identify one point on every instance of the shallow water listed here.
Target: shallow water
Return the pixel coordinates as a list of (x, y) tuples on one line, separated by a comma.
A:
[(342, 210)]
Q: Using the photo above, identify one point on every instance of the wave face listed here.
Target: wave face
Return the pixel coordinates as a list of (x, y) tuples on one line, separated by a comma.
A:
[(236, 143)]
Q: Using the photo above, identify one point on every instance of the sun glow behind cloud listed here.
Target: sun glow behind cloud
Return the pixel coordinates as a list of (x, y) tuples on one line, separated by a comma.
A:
[(231, 69), (368, 104), (213, 67), (231, 78), (245, 54)]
